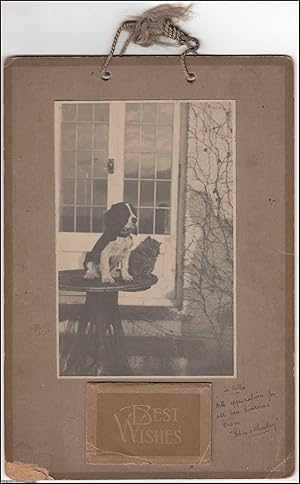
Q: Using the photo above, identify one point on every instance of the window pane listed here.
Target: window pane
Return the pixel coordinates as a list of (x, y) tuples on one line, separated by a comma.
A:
[(68, 191), (164, 139), (133, 112), (101, 136), (147, 165), (131, 192), (84, 136), (147, 193), (162, 221), (84, 164), (85, 112), (101, 112), (163, 192), (148, 138), (97, 219), (83, 219), (165, 113), (164, 162), (131, 166), (69, 112), (100, 162), (99, 192), (83, 192), (68, 163), (68, 135), (67, 219), (132, 138), (145, 221), (148, 112)]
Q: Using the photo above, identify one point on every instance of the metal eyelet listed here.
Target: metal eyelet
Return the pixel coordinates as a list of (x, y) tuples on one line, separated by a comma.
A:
[(191, 77), (106, 75)]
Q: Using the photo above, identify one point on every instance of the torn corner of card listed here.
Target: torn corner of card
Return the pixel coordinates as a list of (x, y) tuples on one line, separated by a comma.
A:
[(18, 471)]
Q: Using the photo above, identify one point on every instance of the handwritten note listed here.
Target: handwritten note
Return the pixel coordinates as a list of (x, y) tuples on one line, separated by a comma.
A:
[(244, 412)]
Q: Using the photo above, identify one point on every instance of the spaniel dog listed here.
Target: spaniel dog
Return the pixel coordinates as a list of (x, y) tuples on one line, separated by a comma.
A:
[(112, 250)]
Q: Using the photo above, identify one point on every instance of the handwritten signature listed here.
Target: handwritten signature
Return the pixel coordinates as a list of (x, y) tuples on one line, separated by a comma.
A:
[(232, 411)]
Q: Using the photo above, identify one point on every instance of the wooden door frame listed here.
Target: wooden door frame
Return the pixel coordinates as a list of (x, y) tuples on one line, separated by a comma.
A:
[(116, 184)]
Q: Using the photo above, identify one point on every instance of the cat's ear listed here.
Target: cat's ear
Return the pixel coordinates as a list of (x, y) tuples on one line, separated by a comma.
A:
[(148, 238)]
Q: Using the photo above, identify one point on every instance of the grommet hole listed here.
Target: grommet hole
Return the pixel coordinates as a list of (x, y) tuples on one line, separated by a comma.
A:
[(106, 75), (191, 77)]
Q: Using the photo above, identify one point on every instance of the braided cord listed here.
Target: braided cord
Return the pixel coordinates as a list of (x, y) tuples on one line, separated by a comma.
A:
[(126, 44), (182, 38), (123, 26), (169, 30)]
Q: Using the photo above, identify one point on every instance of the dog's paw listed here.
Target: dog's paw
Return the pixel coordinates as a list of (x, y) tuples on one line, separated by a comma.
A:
[(115, 273), (91, 275), (127, 277), (107, 279), (91, 271)]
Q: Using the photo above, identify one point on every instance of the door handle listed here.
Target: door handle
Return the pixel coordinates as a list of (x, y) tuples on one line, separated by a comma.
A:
[(111, 166)]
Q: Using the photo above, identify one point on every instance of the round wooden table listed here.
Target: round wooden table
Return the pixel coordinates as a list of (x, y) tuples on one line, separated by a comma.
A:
[(101, 314)]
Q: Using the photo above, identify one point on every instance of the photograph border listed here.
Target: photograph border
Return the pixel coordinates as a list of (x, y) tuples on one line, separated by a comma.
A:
[(150, 378)]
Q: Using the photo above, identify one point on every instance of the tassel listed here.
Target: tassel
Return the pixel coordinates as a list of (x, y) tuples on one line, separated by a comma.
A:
[(152, 27)]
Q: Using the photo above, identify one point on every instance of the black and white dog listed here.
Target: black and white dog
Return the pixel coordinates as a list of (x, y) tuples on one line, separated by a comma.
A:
[(113, 248)]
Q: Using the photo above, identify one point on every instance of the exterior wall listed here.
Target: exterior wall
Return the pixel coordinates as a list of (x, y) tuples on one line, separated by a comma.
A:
[(208, 258)]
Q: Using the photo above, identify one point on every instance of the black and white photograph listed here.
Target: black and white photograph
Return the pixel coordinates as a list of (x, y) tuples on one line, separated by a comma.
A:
[(145, 244)]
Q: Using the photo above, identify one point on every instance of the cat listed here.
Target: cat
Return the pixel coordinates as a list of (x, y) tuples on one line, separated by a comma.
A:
[(143, 258)]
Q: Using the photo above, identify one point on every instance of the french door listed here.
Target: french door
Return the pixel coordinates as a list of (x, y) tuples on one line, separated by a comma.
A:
[(107, 152)]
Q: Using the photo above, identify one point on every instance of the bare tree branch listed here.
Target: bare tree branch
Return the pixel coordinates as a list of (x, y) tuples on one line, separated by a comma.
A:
[(208, 273)]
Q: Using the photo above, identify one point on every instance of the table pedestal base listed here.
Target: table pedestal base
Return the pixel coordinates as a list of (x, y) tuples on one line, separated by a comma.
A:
[(101, 320)]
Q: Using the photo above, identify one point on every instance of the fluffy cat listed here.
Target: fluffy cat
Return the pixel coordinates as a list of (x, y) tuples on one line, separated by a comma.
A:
[(143, 258)]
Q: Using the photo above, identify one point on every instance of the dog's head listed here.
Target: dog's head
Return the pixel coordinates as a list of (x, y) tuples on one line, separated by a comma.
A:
[(120, 220)]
